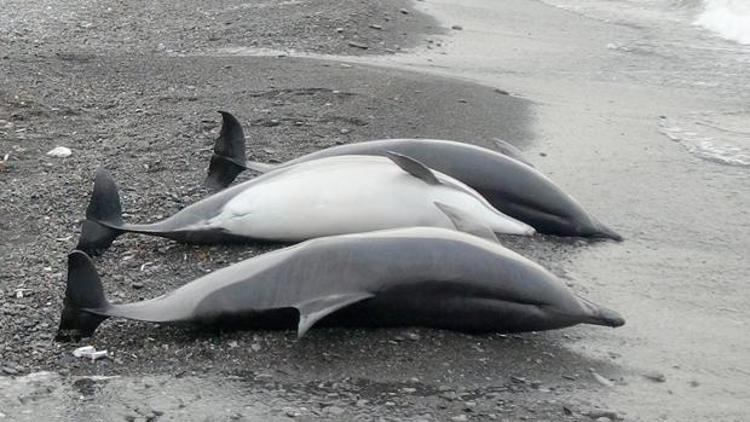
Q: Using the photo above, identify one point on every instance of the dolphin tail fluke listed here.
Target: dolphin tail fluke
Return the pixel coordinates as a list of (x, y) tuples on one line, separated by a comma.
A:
[(103, 216), (228, 159), (599, 315), (84, 305)]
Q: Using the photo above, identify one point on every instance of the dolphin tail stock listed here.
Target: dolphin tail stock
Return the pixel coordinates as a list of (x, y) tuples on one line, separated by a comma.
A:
[(228, 159), (84, 306), (599, 315), (103, 216), (259, 167)]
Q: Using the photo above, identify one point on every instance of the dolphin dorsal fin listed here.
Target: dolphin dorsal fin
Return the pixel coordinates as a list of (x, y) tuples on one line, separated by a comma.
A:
[(314, 310), (413, 167), (466, 223), (509, 150)]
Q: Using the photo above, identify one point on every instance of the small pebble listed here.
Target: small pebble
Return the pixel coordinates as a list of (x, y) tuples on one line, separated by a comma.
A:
[(60, 152), (655, 377), (358, 45)]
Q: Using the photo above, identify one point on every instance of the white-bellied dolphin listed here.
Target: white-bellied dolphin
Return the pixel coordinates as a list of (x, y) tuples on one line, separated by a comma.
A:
[(506, 180), (330, 196), (417, 276)]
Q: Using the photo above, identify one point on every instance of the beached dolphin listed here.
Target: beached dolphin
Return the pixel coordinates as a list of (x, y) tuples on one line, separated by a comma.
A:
[(334, 195), (416, 276), (506, 180)]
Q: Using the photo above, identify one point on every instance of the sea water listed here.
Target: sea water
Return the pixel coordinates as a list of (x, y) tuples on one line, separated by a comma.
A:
[(692, 45)]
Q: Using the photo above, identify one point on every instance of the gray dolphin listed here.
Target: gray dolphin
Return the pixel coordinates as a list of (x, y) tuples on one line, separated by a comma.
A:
[(507, 180), (416, 276)]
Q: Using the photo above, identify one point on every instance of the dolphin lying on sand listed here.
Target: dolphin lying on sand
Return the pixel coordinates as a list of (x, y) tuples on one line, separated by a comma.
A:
[(507, 181), (419, 276), (330, 196)]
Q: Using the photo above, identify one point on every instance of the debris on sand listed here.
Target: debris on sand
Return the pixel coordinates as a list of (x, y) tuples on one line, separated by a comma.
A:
[(4, 163), (358, 45), (655, 376), (603, 415), (60, 152), (20, 293), (90, 352), (603, 381)]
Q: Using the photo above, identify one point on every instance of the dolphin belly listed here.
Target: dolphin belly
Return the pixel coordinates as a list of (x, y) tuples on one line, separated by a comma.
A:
[(371, 194), (438, 306)]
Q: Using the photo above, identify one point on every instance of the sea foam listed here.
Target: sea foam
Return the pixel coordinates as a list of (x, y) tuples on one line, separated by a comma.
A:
[(728, 18)]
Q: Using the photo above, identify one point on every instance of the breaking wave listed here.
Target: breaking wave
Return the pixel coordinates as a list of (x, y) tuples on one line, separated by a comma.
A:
[(720, 138), (728, 18)]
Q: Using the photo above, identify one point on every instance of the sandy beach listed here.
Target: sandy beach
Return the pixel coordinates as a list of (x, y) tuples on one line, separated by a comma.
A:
[(584, 96)]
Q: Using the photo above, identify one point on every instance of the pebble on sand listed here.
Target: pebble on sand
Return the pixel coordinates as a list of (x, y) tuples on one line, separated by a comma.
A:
[(603, 381), (655, 376), (90, 352), (60, 152), (457, 27), (358, 45)]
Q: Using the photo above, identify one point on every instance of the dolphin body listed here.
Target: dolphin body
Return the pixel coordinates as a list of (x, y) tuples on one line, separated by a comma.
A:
[(507, 180), (330, 196), (430, 277)]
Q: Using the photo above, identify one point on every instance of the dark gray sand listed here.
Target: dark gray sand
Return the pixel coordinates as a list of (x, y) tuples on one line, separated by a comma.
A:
[(112, 86)]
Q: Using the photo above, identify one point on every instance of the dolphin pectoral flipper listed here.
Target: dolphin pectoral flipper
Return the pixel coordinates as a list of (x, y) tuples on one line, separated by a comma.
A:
[(413, 167), (228, 159), (103, 215), (314, 310), (466, 223)]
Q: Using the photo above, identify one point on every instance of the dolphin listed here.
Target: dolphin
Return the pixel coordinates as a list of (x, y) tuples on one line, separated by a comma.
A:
[(509, 182), (418, 276), (334, 195)]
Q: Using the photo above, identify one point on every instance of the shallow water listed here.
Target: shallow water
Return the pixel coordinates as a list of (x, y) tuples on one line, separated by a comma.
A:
[(674, 43)]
